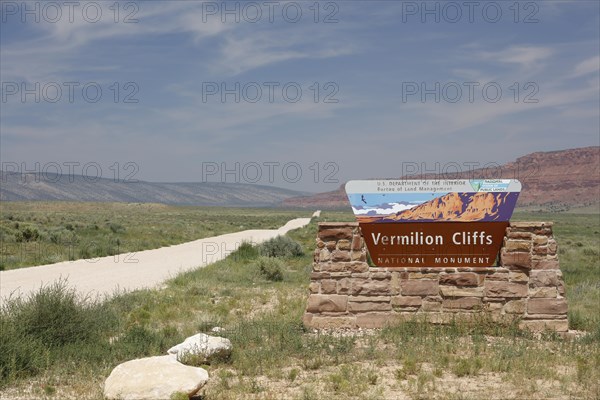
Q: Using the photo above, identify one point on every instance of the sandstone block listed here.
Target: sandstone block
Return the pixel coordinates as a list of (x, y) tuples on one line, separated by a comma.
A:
[(514, 276), (527, 226), (358, 266), (367, 287), (357, 242), (318, 303), (419, 287), (395, 283), (540, 240), (540, 250), (331, 245), (375, 320), (515, 307), (545, 292), (320, 243), (495, 306), (497, 276), (407, 301), (369, 303), (315, 276), (324, 255), (467, 303), (333, 266), (545, 263), (542, 325), (505, 289), (515, 258), (431, 306), (340, 275), (540, 278), (518, 235), (546, 306), (552, 246), (340, 255), (328, 286), (543, 231), (381, 275), (335, 232), (343, 286), (460, 279), (452, 291), (420, 275), (343, 244), (512, 245), (313, 287)]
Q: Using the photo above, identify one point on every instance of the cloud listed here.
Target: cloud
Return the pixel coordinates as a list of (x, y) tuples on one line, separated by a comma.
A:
[(522, 55), (589, 66), (382, 209), (242, 52)]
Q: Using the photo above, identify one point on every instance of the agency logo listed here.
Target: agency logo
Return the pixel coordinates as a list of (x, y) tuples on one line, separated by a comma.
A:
[(433, 223)]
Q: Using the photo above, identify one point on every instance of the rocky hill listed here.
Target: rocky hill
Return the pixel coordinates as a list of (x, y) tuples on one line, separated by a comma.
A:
[(48, 187), (554, 180)]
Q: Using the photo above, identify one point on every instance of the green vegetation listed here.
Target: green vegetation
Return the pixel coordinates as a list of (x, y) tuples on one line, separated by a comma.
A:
[(271, 268), (274, 356), (281, 246), (37, 233), (578, 237)]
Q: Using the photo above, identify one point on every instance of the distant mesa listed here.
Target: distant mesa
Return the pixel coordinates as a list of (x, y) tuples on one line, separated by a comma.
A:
[(554, 180)]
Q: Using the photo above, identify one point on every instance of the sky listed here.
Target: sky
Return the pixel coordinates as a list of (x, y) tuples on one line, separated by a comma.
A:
[(301, 95)]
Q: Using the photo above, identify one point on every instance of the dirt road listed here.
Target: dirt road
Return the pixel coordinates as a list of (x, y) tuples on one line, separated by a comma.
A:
[(130, 271)]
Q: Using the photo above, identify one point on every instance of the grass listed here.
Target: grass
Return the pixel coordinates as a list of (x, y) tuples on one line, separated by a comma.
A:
[(274, 356), (37, 233)]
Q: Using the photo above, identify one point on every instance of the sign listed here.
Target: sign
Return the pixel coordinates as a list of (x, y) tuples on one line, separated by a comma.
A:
[(433, 223)]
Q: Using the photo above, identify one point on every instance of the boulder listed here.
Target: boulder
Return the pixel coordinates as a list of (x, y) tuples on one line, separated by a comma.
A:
[(153, 378), (202, 348)]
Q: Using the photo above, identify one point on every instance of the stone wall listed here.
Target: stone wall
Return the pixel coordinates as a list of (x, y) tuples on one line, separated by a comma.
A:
[(345, 292)]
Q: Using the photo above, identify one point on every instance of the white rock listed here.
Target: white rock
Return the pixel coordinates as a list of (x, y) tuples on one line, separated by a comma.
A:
[(202, 346), (153, 378), (217, 329)]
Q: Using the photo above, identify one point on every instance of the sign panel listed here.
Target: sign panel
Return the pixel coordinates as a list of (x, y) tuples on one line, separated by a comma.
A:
[(433, 223)]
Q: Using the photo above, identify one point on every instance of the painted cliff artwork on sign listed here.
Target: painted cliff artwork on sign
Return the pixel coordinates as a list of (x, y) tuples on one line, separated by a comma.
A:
[(430, 201), (433, 222)]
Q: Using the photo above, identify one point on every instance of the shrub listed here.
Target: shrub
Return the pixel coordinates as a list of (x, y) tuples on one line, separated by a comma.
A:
[(57, 316), (271, 268), (116, 228), (281, 246), (48, 325), (245, 252), (19, 355), (30, 235)]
